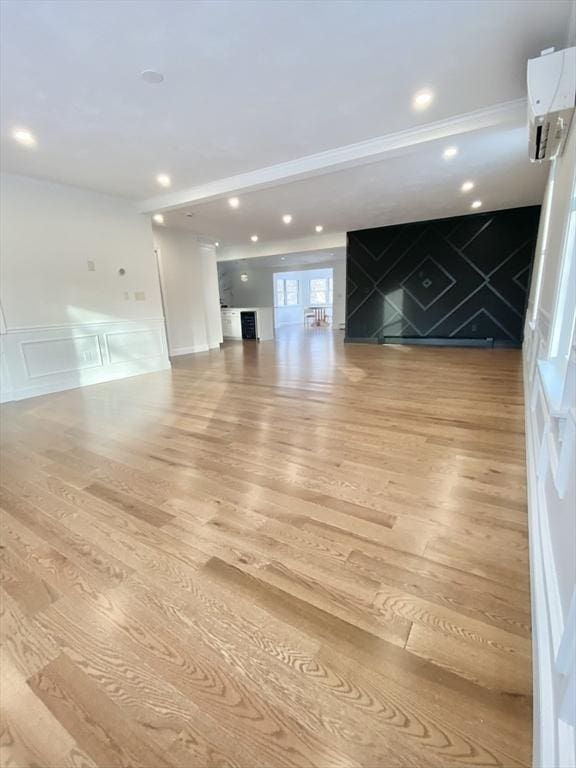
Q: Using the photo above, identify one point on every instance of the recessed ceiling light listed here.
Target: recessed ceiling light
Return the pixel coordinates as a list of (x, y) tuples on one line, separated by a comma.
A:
[(158, 218), (449, 153), (422, 99), (476, 204), (216, 244), (24, 136), (163, 179), (318, 227), (233, 202), (467, 186), (254, 238), (287, 218), (151, 76)]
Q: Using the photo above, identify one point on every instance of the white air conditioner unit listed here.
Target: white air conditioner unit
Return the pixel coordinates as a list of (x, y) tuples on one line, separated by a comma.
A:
[(551, 101)]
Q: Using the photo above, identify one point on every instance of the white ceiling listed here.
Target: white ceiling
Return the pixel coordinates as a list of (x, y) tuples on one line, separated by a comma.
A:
[(253, 83), (247, 83), (415, 185)]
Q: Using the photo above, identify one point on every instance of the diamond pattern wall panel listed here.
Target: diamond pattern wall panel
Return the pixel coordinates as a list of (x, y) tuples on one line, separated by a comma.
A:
[(463, 278)]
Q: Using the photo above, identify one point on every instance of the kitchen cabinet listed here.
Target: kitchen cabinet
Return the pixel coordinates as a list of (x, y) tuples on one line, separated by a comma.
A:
[(232, 322)]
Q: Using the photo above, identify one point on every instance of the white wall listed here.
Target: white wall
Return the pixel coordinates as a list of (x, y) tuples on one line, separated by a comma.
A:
[(190, 291), (65, 326), (49, 232), (258, 291), (550, 397)]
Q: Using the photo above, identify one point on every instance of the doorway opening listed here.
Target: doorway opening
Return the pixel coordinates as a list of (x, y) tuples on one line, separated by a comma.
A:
[(304, 297)]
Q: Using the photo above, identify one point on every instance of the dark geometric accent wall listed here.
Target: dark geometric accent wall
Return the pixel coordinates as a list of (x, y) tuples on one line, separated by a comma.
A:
[(458, 279)]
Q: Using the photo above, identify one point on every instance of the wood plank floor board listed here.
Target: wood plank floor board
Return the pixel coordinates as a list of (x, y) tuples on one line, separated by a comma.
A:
[(26, 587), (157, 710), (264, 652), (28, 648), (96, 723), (299, 553), (76, 758), (200, 673), (271, 637), (77, 548), (470, 594), (35, 487), (481, 644), (353, 646), (30, 734)]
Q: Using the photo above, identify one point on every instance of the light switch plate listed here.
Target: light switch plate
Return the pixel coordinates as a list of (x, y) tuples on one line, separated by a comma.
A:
[(91, 265)]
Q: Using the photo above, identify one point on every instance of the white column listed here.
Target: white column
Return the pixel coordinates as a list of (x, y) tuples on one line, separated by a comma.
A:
[(211, 295)]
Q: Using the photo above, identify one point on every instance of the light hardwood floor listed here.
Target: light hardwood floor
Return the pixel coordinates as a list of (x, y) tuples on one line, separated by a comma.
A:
[(290, 554)]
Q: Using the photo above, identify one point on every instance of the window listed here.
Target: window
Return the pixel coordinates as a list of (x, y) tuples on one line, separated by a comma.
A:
[(286, 292), (319, 291), (542, 245), (566, 292), (554, 368)]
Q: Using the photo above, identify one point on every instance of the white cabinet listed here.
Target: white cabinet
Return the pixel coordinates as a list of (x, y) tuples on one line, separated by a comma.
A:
[(232, 322), (231, 325)]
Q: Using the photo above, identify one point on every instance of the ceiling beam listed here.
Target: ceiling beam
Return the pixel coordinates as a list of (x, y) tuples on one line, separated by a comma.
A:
[(324, 242), (363, 152)]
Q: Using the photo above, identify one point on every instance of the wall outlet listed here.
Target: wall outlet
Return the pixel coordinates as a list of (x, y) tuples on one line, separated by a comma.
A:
[(139, 295), (91, 265)]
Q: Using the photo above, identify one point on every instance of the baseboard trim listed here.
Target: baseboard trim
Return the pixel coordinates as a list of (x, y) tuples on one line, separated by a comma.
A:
[(440, 342), (436, 342), (177, 351)]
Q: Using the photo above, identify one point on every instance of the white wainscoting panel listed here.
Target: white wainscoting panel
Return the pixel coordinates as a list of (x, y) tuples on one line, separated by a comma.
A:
[(133, 345), (45, 357), (551, 459), (40, 360)]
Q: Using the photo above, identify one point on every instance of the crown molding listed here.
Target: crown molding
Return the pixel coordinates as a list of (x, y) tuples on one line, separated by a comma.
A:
[(363, 152)]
